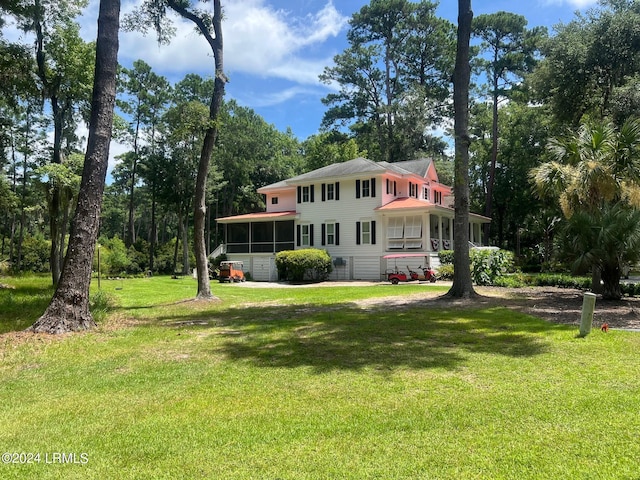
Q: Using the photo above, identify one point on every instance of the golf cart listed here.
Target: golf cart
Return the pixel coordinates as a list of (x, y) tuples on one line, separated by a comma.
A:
[(396, 276), (231, 271)]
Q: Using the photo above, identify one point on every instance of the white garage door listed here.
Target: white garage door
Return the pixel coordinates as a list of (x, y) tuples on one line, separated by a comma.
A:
[(366, 268), (264, 269)]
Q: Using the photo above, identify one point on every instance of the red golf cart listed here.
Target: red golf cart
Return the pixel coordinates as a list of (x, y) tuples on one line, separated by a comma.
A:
[(395, 276)]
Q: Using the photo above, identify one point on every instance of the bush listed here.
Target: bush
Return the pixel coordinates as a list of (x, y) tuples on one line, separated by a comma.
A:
[(113, 257), (445, 271), (514, 280), (488, 265), (446, 257), (560, 280), (308, 263), (35, 254)]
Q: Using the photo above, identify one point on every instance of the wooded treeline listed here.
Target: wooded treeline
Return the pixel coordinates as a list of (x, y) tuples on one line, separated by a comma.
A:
[(394, 95)]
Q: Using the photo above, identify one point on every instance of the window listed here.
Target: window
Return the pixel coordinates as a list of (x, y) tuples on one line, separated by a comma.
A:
[(391, 187), (274, 200), (425, 193), (366, 188), (366, 232), (305, 235), (305, 194), (395, 228), (437, 197), (330, 191), (331, 233), (413, 227)]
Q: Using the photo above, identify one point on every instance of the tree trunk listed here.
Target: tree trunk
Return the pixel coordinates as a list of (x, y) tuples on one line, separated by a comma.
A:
[(69, 307), (54, 213), (185, 245), (611, 283), (596, 277), (462, 285), (200, 200), (494, 154), (154, 233)]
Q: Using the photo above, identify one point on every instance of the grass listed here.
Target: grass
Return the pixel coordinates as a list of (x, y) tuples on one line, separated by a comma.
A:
[(304, 383)]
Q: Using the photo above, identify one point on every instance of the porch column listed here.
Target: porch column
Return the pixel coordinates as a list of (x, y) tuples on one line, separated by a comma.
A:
[(427, 227), (440, 226)]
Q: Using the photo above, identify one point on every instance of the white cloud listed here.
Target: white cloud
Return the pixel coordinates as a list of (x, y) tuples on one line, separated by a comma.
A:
[(270, 99), (577, 4), (258, 40)]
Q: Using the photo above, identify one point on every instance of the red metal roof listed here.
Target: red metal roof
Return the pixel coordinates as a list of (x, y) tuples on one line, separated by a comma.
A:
[(258, 216), (406, 202)]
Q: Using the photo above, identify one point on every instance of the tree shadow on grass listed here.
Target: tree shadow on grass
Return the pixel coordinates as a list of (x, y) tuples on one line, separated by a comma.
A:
[(348, 337), (20, 306)]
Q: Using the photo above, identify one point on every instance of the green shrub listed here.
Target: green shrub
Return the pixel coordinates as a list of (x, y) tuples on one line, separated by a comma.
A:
[(35, 254), (445, 271), (446, 257), (512, 280), (308, 263), (113, 256), (488, 265), (560, 280)]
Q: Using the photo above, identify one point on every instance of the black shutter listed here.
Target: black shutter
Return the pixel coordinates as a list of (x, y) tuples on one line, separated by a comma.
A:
[(357, 233), (298, 234), (323, 240), (323, 187), (394, 188), (337, 232), (373, 232), (299, 194), (387, 186), (337, 191), (313, 189), (311, 235), (357, 188), (373, 187)]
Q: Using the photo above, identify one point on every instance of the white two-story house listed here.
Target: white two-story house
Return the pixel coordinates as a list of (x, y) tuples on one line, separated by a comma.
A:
[(365, 214)]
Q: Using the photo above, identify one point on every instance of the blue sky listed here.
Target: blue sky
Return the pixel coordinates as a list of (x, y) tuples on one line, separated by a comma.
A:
[(275, 49)]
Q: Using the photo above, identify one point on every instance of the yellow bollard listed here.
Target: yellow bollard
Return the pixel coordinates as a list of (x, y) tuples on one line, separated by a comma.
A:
[(588, 306)]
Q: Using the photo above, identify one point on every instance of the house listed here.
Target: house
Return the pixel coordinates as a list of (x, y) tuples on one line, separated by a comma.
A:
[(360, 211)]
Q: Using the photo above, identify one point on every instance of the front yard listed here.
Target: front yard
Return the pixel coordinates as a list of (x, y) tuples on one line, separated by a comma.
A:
[(318, 382)]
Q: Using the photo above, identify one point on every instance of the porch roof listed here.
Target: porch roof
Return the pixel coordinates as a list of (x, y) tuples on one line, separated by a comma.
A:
[(260, 216), (405, 203), (412, 204)]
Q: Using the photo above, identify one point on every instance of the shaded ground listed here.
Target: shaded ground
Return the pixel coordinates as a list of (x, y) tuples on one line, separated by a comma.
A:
[(559, 305)]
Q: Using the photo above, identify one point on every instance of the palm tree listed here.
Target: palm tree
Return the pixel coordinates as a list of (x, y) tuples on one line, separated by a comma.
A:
[(595, 176)]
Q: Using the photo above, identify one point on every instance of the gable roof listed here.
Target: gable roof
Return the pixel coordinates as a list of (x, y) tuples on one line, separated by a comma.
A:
[(357, 166), (352, 167)]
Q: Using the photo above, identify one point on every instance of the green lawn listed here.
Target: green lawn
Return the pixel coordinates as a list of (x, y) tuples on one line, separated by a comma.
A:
[(302, 383)]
